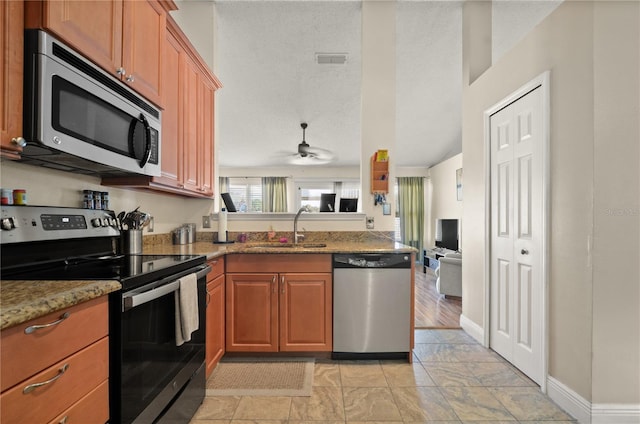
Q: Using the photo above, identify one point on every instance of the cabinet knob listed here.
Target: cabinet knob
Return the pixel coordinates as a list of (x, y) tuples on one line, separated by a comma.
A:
[(19, 141), (121, 71), (130, 78)]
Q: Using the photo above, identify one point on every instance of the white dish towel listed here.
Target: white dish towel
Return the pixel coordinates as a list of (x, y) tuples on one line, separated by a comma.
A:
[(186, 299)]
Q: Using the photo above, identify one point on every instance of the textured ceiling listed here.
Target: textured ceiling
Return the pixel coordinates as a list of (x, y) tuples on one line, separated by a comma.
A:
[(265, 56)]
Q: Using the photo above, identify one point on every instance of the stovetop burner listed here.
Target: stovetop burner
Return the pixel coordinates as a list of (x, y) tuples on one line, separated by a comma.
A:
[(130, 270)]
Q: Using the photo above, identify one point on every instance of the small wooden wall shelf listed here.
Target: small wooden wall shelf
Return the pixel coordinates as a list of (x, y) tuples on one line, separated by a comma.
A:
[(379, 176)]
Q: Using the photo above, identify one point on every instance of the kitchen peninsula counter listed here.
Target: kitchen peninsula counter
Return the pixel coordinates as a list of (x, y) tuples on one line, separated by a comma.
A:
[(212, 250), (21, 301)]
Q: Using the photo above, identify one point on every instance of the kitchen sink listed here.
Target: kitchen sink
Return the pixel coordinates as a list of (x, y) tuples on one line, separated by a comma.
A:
[(287, 245)]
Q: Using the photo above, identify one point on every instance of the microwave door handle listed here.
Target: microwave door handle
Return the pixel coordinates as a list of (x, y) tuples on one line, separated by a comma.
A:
[(132, 301), (147, 139)]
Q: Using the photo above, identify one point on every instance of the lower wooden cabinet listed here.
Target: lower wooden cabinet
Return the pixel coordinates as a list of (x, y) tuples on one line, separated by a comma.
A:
[(215, 329), (279, 311), (57, 366)]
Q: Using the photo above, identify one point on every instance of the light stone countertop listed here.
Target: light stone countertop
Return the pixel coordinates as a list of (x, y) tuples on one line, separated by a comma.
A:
[(212, 250), (21, 301)]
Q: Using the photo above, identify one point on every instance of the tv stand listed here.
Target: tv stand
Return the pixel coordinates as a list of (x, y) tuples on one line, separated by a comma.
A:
[(431, 255)]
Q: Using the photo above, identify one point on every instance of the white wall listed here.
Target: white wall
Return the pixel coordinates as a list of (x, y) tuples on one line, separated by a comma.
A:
[(616, 233), (197, 20), (57, 188), (592, 50), (378, 100), (443, 199)]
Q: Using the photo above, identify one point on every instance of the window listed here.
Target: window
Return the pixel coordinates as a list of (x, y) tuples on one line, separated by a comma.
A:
[(309, 192), (246, 194)]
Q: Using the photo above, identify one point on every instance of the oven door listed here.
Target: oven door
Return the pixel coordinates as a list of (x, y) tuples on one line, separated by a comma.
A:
[(148, 371)]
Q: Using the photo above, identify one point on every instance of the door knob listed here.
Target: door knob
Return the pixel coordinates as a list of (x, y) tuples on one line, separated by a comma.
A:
[(524, 251)]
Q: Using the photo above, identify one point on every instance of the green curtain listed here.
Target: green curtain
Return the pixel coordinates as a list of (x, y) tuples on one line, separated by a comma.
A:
[(274, 194), (411, 211)]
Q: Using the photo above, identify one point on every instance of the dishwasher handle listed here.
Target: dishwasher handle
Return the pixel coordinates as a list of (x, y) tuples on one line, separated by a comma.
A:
[(372, 260)]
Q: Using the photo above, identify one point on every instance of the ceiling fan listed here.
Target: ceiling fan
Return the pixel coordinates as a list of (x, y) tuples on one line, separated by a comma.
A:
[(307, 155)]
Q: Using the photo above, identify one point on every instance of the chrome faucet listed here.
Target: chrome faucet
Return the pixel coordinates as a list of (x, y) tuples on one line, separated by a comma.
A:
[(296, 236)]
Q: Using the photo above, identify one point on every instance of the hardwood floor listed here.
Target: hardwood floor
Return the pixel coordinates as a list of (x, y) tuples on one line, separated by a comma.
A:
[(433, 310)]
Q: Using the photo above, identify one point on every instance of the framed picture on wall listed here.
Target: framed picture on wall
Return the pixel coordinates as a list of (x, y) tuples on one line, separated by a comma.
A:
[(459, 184)]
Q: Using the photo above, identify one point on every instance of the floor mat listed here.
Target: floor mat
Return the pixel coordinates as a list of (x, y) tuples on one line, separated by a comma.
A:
[(262, 377)]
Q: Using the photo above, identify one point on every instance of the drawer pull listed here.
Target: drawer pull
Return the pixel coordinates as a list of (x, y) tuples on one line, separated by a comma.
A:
[(64, 420), (33, 328), (32, 387)]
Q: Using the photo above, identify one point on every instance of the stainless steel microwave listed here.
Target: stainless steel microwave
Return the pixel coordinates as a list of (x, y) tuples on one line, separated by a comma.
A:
[(79, 118)]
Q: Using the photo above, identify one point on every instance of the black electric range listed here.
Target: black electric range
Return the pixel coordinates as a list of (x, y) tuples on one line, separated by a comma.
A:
[(153, 377)]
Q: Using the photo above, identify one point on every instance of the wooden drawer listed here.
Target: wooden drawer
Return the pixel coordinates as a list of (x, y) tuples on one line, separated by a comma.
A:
[(279, 262), (217, 268), (85, 370), (91, 409), (22, 355)]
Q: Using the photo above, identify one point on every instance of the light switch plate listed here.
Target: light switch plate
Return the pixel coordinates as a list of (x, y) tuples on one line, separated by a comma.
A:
[(206, 221), (369, 223)]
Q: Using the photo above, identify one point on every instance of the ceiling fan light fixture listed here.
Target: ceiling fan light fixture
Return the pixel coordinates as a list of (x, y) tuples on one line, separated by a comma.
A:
[(307, 155)]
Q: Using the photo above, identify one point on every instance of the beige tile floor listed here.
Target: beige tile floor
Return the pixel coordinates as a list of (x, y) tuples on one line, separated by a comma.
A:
[(453, 380)]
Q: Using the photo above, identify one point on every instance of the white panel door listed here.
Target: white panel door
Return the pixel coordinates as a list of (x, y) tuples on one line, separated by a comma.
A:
[(516, 233)]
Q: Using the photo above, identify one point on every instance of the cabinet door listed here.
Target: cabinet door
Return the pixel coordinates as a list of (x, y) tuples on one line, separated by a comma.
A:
[(12, 38), (206, 91), (252, 312), (306, 312), (94, 28), (144, 26), (189, 129), (215, 323), (171, 155)]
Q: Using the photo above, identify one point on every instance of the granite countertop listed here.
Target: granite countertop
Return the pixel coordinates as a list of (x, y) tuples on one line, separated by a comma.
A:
[(212, 250), (21, 301)]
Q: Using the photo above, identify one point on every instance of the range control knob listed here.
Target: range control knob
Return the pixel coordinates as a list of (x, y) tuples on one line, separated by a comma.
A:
[(8, 224), (96, 222)]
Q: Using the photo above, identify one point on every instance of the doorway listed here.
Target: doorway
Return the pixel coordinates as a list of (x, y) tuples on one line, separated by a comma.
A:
[(517, 140)]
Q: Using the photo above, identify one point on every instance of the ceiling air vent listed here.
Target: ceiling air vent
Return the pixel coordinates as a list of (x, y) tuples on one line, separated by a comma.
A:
[(331, 58)]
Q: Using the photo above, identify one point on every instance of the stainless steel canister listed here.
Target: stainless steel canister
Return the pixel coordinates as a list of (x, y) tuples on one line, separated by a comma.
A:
[(180, 235), (133, 242), (191, 236)]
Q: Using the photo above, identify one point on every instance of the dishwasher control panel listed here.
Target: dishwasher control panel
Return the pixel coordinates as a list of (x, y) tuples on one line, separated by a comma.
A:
[(372, 260)]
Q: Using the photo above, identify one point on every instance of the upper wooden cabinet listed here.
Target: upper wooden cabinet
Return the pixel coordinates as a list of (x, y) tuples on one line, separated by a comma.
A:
[(187, 143), (11, 71), (125, 38)]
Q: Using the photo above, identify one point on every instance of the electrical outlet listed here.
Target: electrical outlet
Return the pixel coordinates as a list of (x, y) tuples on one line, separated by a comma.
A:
[(150, 225), (369, 223), (206, 221)]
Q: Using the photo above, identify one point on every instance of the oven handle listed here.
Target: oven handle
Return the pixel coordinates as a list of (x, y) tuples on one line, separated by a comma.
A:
[(130, 302)]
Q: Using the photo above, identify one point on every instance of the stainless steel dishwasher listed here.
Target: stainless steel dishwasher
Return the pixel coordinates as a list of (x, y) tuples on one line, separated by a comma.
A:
[(371, 305)]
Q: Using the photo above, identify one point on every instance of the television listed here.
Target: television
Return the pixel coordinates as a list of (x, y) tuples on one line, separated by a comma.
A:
[(348, 205), (228, 203), (327, 202), (447, 231)]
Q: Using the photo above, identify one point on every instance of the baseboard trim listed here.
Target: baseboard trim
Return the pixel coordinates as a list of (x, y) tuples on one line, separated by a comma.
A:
[(586, 412), (614, 413), (577, 406), (472, 329)]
